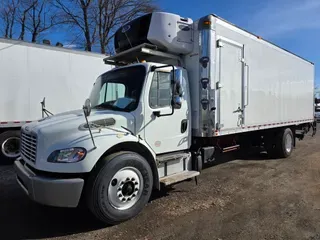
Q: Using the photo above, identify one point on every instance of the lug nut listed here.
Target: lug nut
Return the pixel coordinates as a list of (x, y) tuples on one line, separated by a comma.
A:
[(136, 189), (120, 195), (128, 179), (132, 179), (135, 183), (123, 199)]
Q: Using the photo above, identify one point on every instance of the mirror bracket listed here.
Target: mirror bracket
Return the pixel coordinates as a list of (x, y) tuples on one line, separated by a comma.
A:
[(156, 113)]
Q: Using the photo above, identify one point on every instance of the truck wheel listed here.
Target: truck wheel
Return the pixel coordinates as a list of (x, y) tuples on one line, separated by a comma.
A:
[(119, 187), (284, 144), (9, 146)]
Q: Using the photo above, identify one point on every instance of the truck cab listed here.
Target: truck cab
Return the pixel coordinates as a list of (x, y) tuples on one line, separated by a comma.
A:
[(147, 96)]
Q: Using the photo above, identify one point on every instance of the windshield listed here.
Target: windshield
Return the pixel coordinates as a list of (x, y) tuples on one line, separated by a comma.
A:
[(119, 89)]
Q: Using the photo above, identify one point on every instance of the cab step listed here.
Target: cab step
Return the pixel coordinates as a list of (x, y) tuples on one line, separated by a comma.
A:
[(178, 177), (172, 156)]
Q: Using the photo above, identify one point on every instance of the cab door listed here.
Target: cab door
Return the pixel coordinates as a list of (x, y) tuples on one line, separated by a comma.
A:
[(171, 130)]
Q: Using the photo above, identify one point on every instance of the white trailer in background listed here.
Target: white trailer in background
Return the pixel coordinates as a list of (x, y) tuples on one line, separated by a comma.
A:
[(187, 92), (31, 72)]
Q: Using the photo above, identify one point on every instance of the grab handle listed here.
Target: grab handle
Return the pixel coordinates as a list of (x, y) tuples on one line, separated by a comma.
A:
[(247, 73)]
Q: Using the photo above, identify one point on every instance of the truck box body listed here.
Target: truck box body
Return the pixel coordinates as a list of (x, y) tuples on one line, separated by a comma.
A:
[(252, 84), (30, 72), (272, 86)]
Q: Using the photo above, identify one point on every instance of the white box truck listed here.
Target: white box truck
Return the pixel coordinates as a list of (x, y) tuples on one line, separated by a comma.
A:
[(182, 93), (31, 72)]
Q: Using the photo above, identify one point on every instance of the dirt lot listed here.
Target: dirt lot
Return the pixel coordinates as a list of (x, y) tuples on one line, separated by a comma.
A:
[(236, 199)]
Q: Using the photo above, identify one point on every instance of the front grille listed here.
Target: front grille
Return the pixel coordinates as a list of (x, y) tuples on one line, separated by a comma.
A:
[(28, 146)]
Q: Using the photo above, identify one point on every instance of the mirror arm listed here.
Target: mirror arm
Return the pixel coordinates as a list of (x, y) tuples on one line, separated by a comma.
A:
[(94, 144), (86, 111)]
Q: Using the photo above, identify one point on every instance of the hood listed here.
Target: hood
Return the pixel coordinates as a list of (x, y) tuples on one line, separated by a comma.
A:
[(72, 120), (69, 129)]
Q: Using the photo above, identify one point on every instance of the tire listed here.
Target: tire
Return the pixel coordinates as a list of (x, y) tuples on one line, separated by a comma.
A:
[(283, 147), (9, 147), (124, 174)]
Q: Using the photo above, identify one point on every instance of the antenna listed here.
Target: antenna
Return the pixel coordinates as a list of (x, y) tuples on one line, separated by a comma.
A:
[(92, 139), (86, 111)]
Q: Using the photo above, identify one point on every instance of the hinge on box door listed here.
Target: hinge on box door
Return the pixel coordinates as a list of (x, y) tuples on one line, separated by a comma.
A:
[(219, 126), (219, 44), (219, 85), (242, 60)]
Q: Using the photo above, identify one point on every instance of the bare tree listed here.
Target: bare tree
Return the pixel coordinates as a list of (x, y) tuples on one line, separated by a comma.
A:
[(41, 17), (78, 14), (96, 20), (24, 9), (8, 16)]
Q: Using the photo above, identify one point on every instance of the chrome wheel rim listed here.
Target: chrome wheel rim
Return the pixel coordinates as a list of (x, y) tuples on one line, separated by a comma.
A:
[(288, 143), (11, 147), (125, 188)]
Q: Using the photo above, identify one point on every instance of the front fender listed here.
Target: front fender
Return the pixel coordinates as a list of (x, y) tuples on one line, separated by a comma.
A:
[(142, 148), (103, 142)]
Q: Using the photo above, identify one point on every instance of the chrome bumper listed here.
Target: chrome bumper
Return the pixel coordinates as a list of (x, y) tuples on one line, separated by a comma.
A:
[(48, 191)]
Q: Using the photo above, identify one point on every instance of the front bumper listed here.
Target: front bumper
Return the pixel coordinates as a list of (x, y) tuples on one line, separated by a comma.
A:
[(48, 191)]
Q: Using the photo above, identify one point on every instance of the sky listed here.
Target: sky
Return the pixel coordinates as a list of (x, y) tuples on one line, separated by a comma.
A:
[(291, 24)]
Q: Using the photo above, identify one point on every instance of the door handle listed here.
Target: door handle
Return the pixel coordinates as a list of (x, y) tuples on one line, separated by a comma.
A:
[(184, 125)]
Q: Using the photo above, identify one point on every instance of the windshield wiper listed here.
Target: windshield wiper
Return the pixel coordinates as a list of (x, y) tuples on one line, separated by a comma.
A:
[(107, 105)]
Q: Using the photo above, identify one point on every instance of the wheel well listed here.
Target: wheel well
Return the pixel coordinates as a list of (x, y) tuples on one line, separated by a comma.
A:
[(2, 130), (269, 135), (143, 151)]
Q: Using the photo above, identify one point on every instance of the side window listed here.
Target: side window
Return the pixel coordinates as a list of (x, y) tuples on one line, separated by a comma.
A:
[(160, 91), (115, 91), (111, 92), (102, 94)]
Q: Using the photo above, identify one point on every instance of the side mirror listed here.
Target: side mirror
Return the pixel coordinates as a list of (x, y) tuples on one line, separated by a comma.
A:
[(177, 89), (87, 107)]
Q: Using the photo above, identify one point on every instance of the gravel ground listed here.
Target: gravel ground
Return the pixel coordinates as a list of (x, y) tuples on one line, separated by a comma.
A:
[(255, 198)]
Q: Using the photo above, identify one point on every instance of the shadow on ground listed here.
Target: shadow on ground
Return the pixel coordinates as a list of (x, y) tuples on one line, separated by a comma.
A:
[(20, 218), (23, 219)]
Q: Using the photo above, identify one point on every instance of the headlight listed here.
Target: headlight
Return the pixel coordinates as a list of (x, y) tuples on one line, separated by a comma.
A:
[(69, 155)]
